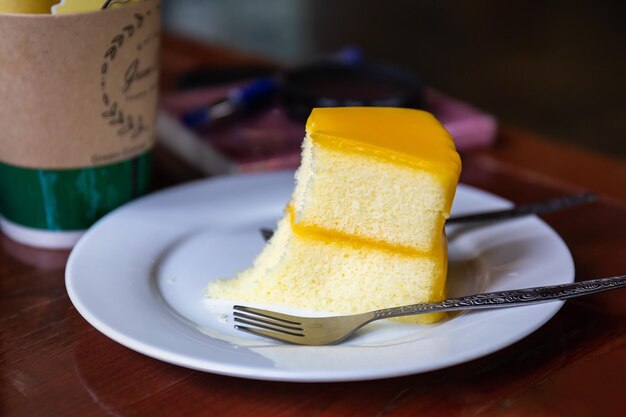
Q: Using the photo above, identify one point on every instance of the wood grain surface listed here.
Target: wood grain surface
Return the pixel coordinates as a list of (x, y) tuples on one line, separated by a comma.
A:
[(53, 363)]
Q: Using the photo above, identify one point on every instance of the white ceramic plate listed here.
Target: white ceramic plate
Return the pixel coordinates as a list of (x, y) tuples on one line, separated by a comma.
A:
[(138, 276)]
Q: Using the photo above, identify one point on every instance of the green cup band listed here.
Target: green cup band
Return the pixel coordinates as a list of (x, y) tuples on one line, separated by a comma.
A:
[(69, 199)]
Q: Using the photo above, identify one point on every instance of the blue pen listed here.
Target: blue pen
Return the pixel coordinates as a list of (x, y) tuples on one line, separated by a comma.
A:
[(238, 100)]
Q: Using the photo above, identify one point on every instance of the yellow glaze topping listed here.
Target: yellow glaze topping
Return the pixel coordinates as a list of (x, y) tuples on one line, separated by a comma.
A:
[(406, 136)]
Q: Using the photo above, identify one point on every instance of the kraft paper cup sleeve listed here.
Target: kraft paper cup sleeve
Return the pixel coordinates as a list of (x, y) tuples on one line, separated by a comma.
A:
[(78, 90)]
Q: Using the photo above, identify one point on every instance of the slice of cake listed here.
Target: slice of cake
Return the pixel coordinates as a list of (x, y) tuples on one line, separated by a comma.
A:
[(364, 229)]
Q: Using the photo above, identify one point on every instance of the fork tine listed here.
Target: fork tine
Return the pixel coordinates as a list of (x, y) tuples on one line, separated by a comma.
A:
[(265, 323), (270, 314), (264, 326), (291, 338), (260, 319)]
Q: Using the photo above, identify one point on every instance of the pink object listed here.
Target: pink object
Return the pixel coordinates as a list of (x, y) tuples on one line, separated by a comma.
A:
[(270, 140), (469, 127)]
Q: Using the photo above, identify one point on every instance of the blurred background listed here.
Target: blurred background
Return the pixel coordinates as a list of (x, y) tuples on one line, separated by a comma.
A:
[(555, 67)]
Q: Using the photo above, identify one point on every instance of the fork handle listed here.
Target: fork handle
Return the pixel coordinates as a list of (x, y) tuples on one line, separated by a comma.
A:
[(542, 207), (504, 299)]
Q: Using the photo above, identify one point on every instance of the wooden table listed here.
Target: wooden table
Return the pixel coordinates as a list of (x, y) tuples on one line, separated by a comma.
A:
[(53, 363)]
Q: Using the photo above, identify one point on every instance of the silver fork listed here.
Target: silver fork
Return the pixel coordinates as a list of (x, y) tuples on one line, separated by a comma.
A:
[(329, 330)]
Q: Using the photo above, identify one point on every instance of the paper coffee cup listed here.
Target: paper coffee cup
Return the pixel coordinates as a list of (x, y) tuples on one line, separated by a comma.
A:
[(77, 118)]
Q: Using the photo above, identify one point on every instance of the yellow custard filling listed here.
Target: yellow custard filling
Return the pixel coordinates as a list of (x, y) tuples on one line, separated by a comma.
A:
[(438, 251), (334, 236)]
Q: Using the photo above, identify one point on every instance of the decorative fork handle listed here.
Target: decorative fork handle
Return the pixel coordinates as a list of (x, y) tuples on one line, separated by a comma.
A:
[(510, 298)]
